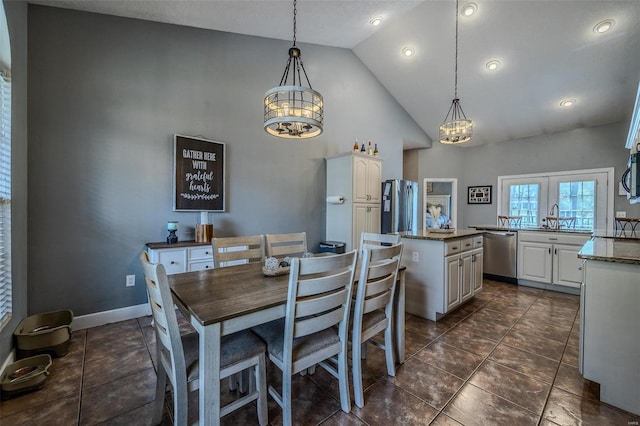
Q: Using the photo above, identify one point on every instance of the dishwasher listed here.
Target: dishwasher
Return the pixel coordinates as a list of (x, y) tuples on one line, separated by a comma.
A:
[(500, 255)]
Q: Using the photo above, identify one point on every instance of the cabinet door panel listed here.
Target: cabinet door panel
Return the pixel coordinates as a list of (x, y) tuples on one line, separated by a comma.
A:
[(374, 179), (467, 275), (360, 216), (452, 280), (373, 219), (478, 258), (566, 265), (534, 262), (360, 180)]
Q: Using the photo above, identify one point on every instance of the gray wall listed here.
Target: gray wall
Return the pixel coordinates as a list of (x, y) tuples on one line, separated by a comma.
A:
[(586, 148), (17, 22), (106, 95)]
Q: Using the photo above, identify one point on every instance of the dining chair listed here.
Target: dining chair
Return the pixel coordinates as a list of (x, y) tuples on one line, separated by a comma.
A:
[(373, 240), (281, 245), (373, 309), (315, 327), (178, 355), (228, 251)]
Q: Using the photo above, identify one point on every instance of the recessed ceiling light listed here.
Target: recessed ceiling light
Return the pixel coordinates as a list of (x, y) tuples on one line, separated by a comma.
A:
[(568, 103), (376, 21), (604, 26), (493, 65), (408, 51), (469, 9)]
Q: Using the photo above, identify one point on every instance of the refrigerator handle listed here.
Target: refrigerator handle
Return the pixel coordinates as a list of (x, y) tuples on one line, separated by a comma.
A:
[(410, 208)]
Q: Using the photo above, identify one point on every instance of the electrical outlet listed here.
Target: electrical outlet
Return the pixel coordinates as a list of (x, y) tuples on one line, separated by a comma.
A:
[(131, 280), (621, 214), (416, 256)]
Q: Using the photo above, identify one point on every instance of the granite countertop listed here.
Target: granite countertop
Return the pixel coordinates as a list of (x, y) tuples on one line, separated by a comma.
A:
[(515, 229), (439, 236), (618, 250)]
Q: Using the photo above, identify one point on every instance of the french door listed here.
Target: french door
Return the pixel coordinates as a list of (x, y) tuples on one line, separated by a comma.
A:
[(582, 195)]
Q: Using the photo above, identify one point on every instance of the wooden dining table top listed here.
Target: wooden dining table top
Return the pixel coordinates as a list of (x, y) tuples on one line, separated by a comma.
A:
[(220, 294)]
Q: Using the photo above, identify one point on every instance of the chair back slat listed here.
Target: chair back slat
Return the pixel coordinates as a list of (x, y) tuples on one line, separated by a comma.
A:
[(228, 251), (318, 305), (282, 245), (376, 302), (310, 325), (381, 269), (370, 240), (324, 265), (374, 288), (323, 284)]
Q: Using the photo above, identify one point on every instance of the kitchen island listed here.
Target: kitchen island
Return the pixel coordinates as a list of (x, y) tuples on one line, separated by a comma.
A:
[(444, 270), (610, 317)]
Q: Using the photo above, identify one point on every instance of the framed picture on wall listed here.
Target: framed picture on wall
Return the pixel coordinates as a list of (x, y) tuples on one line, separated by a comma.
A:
[(198, 174), (479, 194)]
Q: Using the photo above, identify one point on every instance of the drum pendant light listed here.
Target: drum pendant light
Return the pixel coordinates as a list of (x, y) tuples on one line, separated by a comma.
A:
[(456, 128), (292, 110)]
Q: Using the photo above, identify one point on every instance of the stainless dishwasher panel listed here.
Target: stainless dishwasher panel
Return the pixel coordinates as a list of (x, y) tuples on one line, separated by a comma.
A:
[(500, 255)]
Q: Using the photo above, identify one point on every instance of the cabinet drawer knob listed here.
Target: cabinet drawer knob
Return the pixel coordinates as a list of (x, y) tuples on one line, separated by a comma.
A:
[(173, 262), (455, 247)]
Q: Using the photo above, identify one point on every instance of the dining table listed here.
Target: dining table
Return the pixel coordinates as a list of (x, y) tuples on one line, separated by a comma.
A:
[(222, 301)]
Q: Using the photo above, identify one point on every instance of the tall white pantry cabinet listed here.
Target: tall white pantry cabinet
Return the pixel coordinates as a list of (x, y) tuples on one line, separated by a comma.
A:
[(357, 178)]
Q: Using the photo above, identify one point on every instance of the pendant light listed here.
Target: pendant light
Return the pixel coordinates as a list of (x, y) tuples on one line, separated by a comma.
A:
[(456, 128), (293, 110)]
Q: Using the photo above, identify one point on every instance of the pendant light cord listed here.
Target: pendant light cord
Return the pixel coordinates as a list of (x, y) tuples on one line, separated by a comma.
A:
[(295, 12), (455, 90)]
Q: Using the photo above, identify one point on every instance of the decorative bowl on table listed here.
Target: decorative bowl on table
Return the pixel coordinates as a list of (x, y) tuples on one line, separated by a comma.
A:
[(273, 267)]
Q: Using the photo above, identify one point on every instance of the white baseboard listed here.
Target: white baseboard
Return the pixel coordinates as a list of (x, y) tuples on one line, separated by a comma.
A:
[(106, 317)]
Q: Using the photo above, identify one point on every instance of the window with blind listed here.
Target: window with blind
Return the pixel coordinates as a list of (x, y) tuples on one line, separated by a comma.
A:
[(5, 198)]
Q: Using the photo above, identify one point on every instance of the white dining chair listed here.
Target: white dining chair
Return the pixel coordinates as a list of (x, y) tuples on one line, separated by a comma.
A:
[(178, 355), (315, 328), (373, 309), (374, 240), (281, 245), (228, 251)]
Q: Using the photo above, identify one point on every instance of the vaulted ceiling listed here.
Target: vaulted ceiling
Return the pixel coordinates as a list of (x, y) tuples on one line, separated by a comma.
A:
[(548, 52)]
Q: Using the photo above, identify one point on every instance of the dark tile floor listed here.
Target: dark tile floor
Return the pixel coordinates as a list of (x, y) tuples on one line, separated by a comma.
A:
[(508, 357)]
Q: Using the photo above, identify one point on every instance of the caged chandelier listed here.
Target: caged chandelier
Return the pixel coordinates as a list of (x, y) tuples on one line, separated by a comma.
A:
[(456, 128), (293, 110)]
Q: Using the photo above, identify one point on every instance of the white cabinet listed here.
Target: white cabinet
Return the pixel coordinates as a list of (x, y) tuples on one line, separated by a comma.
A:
[(367, 179), (550, 257), (441, 275), (358, 178), (611, 336), (181, 257), (463, 276)]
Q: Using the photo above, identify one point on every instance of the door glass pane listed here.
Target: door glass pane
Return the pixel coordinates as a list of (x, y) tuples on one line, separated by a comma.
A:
[(577, 199), (524, 201)]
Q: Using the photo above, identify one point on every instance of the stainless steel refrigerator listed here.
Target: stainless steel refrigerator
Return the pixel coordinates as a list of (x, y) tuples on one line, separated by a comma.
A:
[(399, 206)]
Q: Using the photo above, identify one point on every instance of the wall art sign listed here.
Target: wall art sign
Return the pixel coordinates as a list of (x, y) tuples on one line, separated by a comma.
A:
[(479, 195), (198, 174)]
